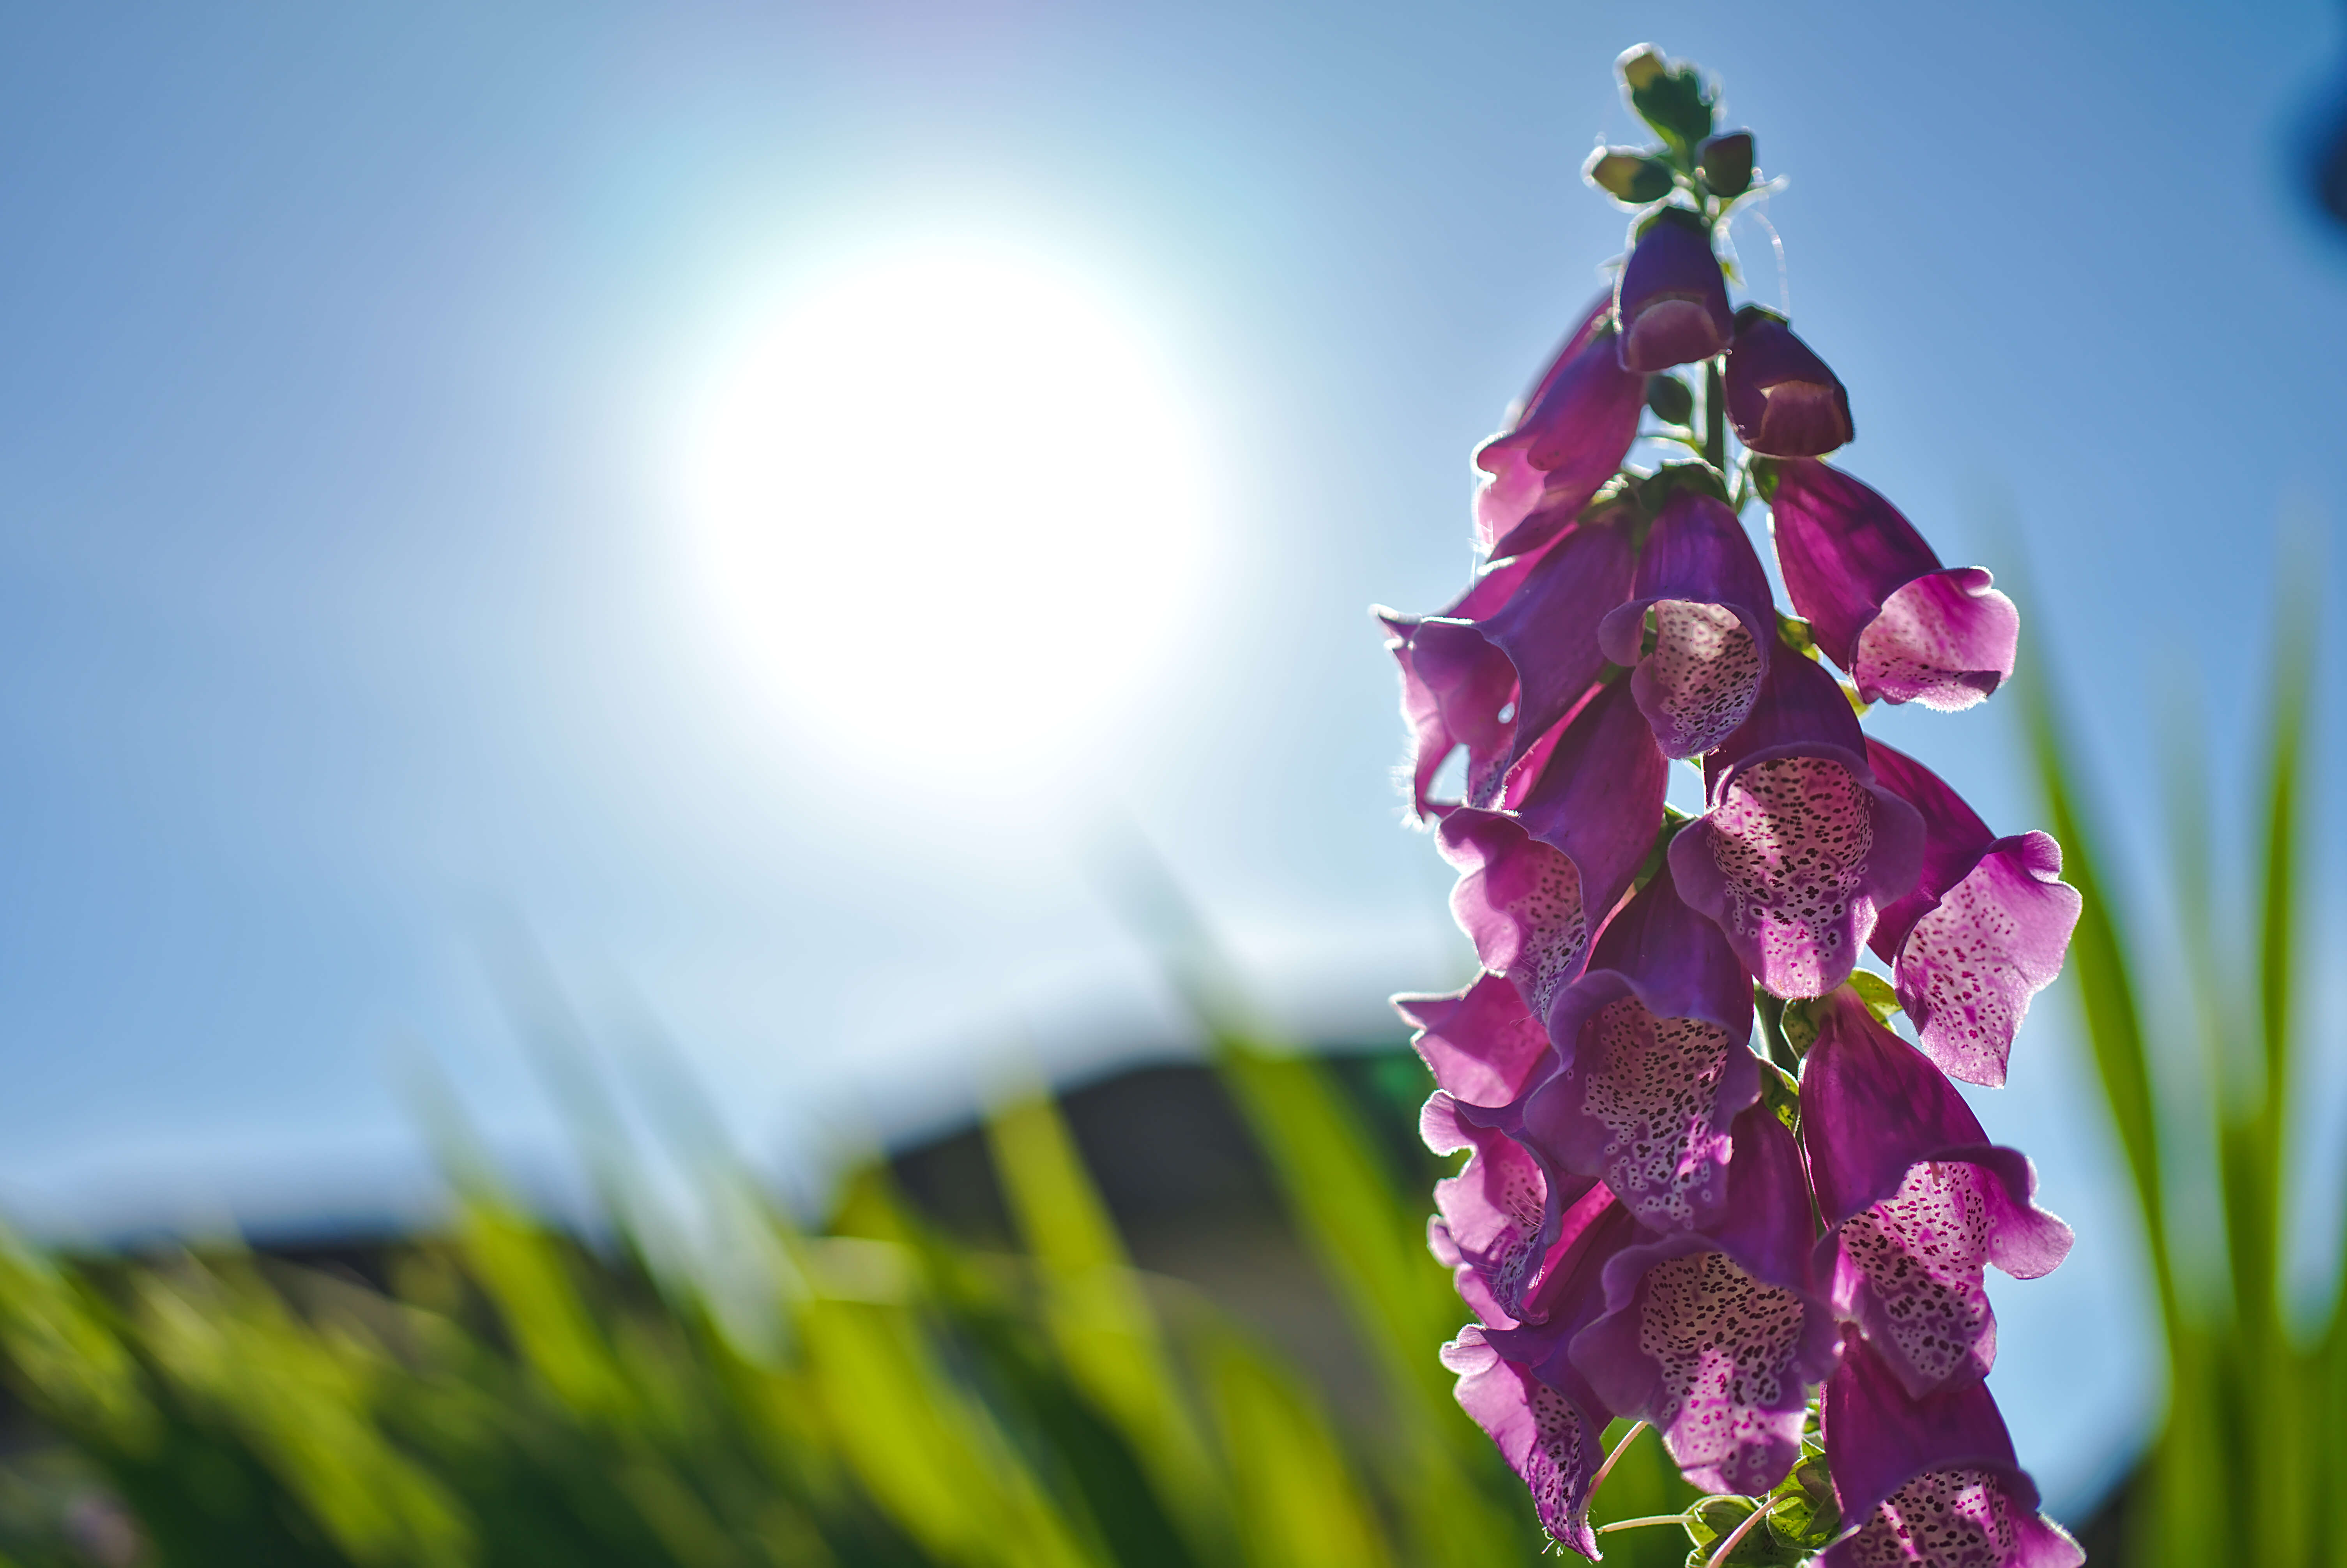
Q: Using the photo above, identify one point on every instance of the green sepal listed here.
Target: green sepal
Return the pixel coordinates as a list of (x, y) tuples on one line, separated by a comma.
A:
[(1876, 993), (1795, 633), (1858, 705), (1763, 478), (1727, 164), (1668, 97), (1781, 1092), (1799, 1025), (1806, 1516), (1629, 176), (1672, 399), (1715, 1518), (1671, 477)]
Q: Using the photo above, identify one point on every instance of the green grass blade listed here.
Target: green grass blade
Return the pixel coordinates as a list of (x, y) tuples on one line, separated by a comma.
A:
[(1299, 1505), (1101, 1321)]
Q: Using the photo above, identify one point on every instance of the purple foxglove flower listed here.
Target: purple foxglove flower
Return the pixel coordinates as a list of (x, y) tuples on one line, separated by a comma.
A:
[(1501, 1223), (1920, 1197), (1655, 1063), (1929, 1481), (1498, 669), (1781, 397), (1719, 1350), (1536, 886), (1877, 599), (1481, 1044), (1521, 1388), (1800, 847), (1570, 438), (1984, 930), (1672, 298), (1715, 625)]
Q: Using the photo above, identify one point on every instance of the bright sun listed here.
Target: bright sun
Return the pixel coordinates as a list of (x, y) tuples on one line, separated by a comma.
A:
[(950, 505)]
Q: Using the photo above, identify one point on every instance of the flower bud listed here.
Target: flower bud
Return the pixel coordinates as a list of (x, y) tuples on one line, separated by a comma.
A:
[(1668, 396), (1726, 163), (1640, 66), (1628, 174), (1668, 96), (1672, 300), (1783, 400)]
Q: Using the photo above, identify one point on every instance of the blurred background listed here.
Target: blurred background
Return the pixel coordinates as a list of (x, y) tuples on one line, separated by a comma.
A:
[(704, 535)]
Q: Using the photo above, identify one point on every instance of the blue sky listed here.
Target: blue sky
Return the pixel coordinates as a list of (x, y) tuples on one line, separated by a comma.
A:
[(347, 629)]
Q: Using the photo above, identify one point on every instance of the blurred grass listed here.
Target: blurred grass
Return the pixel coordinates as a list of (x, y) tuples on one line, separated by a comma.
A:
[(2249, 1453), (870, 1391)]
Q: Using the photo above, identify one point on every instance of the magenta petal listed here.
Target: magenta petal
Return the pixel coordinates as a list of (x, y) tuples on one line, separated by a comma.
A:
[(1481, 1045), (1946, 640), (1781, 397), (1672, 298), (1767, 1226), (1720, 1361), (1548, 627), (1970, 965), (1549, 1438), (1930, 1482), (1571, 437), (1715, 625), (1656, 1065), (1800, 847), (1877, 599), (1908, 1271), (1598, 796)]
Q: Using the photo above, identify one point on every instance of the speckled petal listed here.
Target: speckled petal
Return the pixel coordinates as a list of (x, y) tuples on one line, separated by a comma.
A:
[(1655, 1063), (1947, 640), (1908, 1271), (1715, 625), (1548, 1438), (1498, 1219), (1873, 1108), (1569, 437), (1522, 901), (1800, 847), (1720, 1362), (1933, 1479), (1598, 796)]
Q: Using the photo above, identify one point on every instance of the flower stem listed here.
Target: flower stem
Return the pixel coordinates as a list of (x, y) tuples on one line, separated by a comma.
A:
[(1615, 1457), (1642, 1523), (1737, 1535), (1715, 416)]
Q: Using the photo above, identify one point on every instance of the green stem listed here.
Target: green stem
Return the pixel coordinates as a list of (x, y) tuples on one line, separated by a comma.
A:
[(1641, 1523), (1715, 416), (1615, 1457)]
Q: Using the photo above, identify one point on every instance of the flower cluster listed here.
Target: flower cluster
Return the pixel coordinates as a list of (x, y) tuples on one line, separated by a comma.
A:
[(1655, 1220)]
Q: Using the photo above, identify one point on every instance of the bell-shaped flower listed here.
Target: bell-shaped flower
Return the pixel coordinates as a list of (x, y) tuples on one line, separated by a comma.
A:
[(1482, 1045), (1781, 397), (1800, 847), (1930, 1483), (1671, 301), (1497, 1222), (1715, 624), (1984, 930), (1535, 886), (1716, 1338), (1521, 1387), (1877, 599), (1569, 437), (1655, 1063), (1920, 1197), (1516, 654)]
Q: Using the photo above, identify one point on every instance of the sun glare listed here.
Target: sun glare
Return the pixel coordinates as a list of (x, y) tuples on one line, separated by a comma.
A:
[(950, 507)]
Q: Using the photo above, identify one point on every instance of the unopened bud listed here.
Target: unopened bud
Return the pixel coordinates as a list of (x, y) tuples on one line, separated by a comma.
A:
[(1639, 65), (1726, 162), (1628, 176)]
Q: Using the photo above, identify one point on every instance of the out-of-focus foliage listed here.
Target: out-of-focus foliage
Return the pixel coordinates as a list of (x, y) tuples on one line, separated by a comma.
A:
[(873, 1394), (2251, 1454)]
